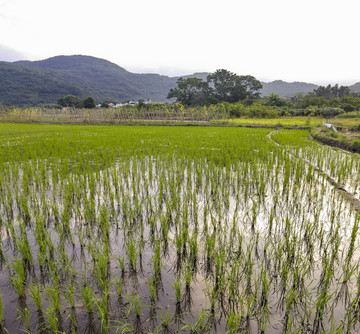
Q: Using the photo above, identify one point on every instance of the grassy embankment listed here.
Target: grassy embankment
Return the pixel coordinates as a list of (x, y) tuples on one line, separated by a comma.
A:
[(347, 137)]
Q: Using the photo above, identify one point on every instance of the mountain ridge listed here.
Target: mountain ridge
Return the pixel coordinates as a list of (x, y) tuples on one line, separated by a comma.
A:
[(45, 81)]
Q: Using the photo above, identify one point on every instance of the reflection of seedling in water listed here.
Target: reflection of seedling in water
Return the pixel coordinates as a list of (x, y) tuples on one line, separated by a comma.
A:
[(262, 226)]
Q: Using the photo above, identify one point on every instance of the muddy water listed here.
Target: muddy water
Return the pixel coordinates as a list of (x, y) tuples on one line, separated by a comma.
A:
[(260, 219)]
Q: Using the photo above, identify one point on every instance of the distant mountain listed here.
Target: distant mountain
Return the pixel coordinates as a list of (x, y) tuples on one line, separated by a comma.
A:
[(355, 87), (286, 89), (200, 75), (45, 81), (24, 85), (104, 80)]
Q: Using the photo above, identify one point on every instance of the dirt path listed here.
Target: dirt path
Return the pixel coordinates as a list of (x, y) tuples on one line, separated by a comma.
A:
[(339, 187)]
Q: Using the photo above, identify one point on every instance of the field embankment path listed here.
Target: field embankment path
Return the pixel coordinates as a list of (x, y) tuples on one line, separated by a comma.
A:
[(351, 198)]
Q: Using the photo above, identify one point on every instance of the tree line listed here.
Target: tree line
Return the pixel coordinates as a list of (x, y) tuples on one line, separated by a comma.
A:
[(75, 102), (220, 86), (240, 96)]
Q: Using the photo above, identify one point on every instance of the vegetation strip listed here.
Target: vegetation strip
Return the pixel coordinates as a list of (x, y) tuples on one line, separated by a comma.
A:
[(339, 187)]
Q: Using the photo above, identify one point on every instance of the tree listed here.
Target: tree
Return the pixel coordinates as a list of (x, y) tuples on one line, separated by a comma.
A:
[(252, 85), (226, 86), (69, 101), (332, 91), (89, 103), (220, 86), (275, 100), (190, 91), (329, 112)]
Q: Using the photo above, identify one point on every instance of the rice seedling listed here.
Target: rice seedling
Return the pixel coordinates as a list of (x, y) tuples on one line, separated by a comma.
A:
[(53, 294), (135, 305), (119, 285), (88, 298), (221, 218), (24, 317), (132, 254), (152, 287), (52, 321), (200, 326), (102, 306), (36, 295), (165, 320), (69, 294), (18, 281), (177, 289)]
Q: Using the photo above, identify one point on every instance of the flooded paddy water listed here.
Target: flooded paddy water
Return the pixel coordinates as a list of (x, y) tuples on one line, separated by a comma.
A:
[(163, 229)]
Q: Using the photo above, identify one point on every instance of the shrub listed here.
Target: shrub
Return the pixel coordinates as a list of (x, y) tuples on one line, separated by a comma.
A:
[(329, 112), (347, 107), (260, 111), (236, 110), (356, 144), (352, 114)]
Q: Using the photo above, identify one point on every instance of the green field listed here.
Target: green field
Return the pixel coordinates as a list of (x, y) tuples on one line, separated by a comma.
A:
[(306, 122), (152, 229)]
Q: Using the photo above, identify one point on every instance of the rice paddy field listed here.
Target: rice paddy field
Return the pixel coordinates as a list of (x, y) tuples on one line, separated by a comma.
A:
[(149, 229)]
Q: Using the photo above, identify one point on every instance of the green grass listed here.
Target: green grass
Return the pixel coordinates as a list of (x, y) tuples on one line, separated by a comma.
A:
[(279, 122), (307, 122)]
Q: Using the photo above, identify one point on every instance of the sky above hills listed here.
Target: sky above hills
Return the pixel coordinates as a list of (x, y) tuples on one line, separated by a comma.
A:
[(309, 40)]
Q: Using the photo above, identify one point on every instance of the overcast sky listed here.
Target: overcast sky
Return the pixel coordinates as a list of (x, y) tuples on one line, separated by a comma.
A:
[(309, 40)]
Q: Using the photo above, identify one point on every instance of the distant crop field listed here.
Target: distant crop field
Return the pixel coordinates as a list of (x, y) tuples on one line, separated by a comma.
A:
[(282, 121), (149, 229)]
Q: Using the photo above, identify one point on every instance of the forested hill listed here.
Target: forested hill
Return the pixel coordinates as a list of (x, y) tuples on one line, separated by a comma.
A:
[(45, 81), (286, 89), (102, 79)]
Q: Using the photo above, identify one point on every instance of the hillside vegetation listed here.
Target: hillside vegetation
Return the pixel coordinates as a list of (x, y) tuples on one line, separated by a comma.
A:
[(32, 83)]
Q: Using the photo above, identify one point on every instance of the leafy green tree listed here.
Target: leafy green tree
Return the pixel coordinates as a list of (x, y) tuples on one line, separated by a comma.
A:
[(329, 112), (69, 101), (275, 100), (220, 86), (258, 110), (190, 91), (347, 107), (230, 87), (309, 100), (329, 91), (88, 103), (253, 86)]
